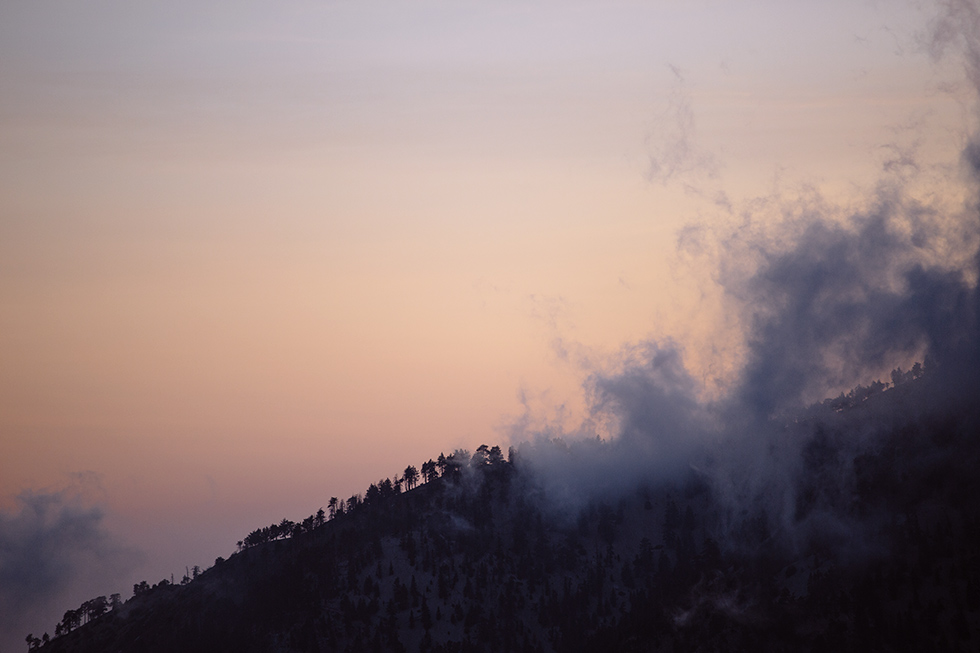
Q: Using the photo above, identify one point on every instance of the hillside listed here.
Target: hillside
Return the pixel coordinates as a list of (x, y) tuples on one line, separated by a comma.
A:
[(879, 553)]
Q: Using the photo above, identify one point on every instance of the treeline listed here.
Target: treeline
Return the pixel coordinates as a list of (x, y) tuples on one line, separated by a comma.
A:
[(475, 563), (862, 393), (86, 612), (450, 467)]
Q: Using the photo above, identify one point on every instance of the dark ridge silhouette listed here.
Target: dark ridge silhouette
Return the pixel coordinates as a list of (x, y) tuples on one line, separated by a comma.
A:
[(743, 524), (477, 559)]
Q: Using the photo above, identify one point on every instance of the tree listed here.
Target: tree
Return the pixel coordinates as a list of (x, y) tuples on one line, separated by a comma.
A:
[(73, 619), (353, 502), (95, 608), (387, 488), (481, 456), (372, 495), (411, 476), (307, 526), (332, 507), (253, 538), (320, 518), (429, 472), (453, 464), (496, 455)]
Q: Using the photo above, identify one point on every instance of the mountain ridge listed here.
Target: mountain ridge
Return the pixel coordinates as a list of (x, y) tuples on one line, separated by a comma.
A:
[(877, 554)]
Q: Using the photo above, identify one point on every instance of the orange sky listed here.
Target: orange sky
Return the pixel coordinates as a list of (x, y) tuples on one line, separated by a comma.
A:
[(254, 256)]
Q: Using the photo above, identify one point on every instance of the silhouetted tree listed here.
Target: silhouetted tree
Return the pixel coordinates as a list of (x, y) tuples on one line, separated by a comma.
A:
[(95, 608), (411, 476), (308, 524), (353, 502), (453, 465), (387, 488), (496, 455), (481, 456)]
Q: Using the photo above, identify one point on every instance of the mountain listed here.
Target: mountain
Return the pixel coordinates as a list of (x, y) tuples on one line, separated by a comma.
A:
[(875, 548)]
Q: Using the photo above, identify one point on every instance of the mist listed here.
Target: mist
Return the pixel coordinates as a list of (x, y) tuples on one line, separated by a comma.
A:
[(276, 324), (54, 545), (858, 321)]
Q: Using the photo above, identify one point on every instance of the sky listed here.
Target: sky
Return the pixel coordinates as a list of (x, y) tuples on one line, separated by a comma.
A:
[(255, 255)]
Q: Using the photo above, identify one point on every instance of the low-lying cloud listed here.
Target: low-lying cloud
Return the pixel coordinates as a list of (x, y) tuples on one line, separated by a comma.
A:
[(830, 297), (48, 543)]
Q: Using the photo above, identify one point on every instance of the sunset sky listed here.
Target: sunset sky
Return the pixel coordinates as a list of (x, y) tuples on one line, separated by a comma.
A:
[(255, 255)]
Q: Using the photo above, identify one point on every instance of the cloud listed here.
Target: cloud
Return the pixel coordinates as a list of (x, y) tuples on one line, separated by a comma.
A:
[(674, 154), (48, 543), (846, 302), (828, 303), (830, 297), (647, 403)]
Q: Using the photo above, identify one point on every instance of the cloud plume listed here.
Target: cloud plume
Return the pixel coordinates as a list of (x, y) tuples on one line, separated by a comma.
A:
[(50, 541), (831, 298)]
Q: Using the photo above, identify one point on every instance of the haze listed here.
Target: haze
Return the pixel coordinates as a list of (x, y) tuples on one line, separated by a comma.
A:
[(254, 256)]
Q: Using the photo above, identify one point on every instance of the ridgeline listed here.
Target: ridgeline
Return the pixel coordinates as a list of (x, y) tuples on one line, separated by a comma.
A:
[(471, 556)]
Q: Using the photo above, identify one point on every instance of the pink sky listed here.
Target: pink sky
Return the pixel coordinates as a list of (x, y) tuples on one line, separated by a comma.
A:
[(255, 256)]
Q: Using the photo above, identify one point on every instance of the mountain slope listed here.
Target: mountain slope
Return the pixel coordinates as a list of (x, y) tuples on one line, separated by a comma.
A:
[(879, 553)]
